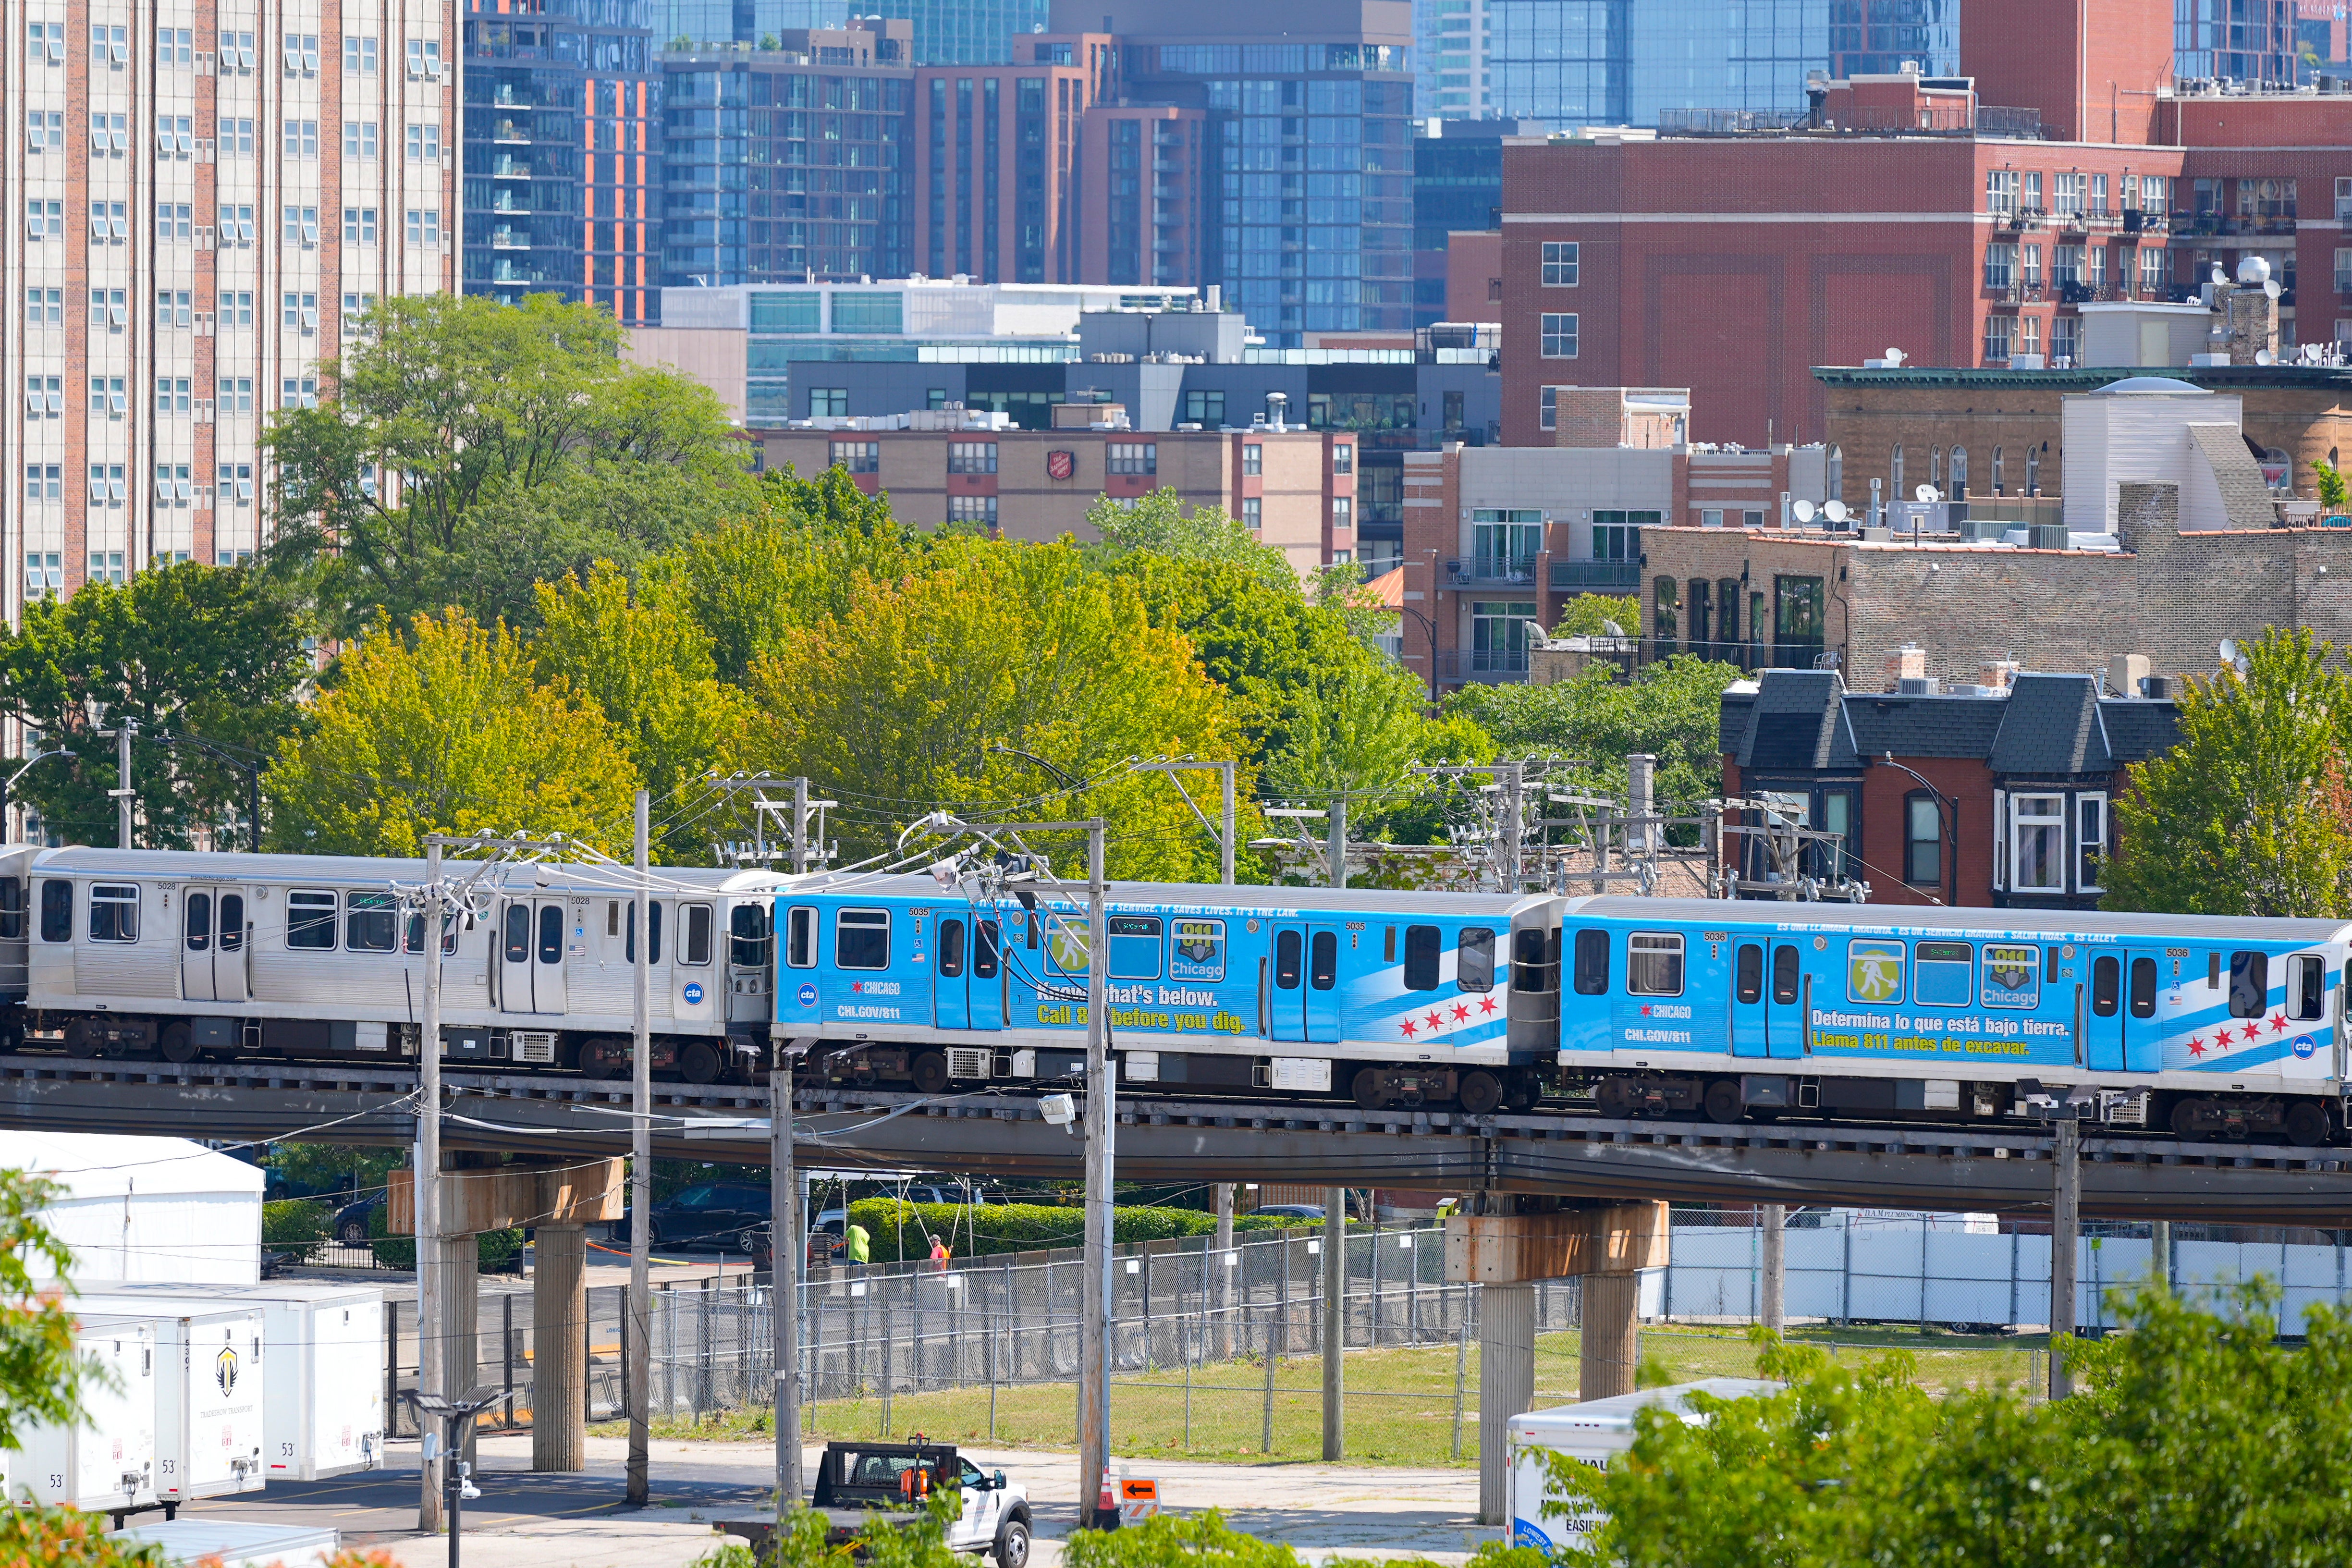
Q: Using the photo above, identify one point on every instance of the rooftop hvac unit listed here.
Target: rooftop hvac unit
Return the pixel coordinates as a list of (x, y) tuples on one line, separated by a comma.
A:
[(1919, 686), (2047, 536)]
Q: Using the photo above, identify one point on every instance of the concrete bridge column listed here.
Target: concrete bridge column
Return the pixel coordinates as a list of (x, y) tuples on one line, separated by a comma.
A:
[(559, 1363)]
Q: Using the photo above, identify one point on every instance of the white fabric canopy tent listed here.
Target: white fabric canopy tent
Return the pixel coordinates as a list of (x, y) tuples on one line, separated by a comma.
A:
[(160, 1209)]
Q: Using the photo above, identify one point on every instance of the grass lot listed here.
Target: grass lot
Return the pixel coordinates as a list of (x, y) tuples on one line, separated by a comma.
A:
[(1399, 1410)]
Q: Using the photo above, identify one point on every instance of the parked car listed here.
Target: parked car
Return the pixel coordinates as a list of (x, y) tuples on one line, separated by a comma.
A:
[(1291, 1211), (730, 1214), (351, 1225)]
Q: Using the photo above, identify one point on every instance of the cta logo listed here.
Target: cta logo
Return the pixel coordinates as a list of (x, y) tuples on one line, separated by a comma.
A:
[(694, 993), (808, 994)]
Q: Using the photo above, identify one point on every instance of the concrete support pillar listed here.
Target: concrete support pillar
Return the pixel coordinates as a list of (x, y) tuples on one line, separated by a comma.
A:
[(1506, 1387), (459, 1340), (1773, 1291), (1611, 1337), (1334, 1323), (559, 1365)]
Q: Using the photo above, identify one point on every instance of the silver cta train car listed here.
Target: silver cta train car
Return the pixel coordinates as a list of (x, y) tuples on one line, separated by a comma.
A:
[(182, 954)]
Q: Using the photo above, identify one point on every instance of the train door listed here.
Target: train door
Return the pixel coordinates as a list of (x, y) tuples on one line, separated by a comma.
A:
[(1784, 1008), (1290, 983), (2105, 1022), (950, 986), (531, 956), (985, 995), (212, 945), (1749, 1033), (2143, 1027), (1322, 989)]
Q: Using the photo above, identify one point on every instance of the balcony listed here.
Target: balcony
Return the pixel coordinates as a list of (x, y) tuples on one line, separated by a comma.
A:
[(1492, 572), (1488, 666), (1618, 578)]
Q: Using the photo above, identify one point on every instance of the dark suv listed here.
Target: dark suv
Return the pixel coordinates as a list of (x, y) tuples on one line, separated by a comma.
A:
[(730, 1214)]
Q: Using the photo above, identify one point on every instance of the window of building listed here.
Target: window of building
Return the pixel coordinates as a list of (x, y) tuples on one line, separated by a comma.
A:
[(2066, 196), (971, 457), (1999, 266), (1253, 513), (1343, 512), (1498, 636), (972, 509), (1253, 459), (1343, 458), (1923, 840), (2030, 341), (2037, 844), (1558, 336), (1503, 544), (2000, 190), (828, 402), (858, 457), (1205, 408), (1997, 338), (2030, 266), (2090, 843), (1132, 457), (1559, 263), (1800, 626), (1666, 611)]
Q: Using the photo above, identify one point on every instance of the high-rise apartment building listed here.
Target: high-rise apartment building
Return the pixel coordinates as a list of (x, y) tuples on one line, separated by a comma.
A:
[(561, 169), (740, 21), (1878, 38), (2250, 41), (789, 165), (967, 32), (199, 199), (1449, 58), (995, 151)]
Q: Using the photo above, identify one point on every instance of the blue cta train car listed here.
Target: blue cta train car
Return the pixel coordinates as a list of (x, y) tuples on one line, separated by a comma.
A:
[(1388, 997)]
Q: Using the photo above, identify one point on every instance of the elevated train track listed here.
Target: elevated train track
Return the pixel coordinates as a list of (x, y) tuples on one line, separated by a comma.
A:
[(2136, 1176)]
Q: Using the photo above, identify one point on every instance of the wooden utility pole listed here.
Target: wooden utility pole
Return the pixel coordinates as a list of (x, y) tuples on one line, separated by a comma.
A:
[(638, 1369), (2066, 1226), (432, 1287)]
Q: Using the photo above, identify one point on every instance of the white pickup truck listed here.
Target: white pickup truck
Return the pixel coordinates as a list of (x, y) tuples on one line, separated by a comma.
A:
[(857, 1483)]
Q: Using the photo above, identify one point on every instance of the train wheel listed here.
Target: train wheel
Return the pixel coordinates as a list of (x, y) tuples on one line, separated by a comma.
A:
[(930, 1072), (699, 1063), (1370, 1096), (596, 1067), (1722, 1106), (2184, 1118), (79, 1042), (2306, 1124), (1481, 1091), (176, 1045), (1522, 1092), (1614, 1099)]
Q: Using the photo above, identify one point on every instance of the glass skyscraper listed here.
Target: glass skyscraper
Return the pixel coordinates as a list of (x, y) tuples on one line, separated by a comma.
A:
[(1877, 37), (965, 32), (1449, 58), (741, 21), (2235, 41)]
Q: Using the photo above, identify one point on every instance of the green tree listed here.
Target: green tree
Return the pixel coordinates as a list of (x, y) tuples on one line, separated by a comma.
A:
[(1157, 522), (1672, 710), (1176, 1541), (899, 702), (472, 448), (445, 729), (1590, 614), (637, 650), (187, 649), (2250, 813), (2330, 481), (790, 562)]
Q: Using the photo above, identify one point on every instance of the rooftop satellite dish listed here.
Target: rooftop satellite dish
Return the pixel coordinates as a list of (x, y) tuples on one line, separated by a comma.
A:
[(1924, 492), (1803, 511), (1612, 629), (1835, 510), (2230, 655), (2264, 356)]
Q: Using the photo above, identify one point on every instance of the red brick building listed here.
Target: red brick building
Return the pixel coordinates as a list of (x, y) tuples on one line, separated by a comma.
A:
[(1963, 226)]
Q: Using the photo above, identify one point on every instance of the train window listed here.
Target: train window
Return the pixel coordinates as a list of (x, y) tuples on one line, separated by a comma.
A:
[(412, 938), (2212, 972), (612, 918), (1388, 946), (747, 937), (1135, 947), (1946, 974), (57, 909), (370, 922), (1749, 973), (2106, 986), (11, 909), (1474, 964), (987, 944), (550, 933), (2049, 967), (1323, 961), (1592, 963), (1785, 977), (950, 949), (114, 911), (310, 922), (694, 933), (196, 922), (800, 938), (1423, 944), (517, 934), (1531, 961), (1654, 963), (629, 931), (232, 923), (2306, 987), (861, 938), (2012, 976), (2250, 984), (1287, 946), (2143, 988)]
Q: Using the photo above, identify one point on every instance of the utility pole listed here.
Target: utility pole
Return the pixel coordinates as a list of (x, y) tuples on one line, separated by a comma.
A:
[(1224, 769), (1334, 1323), (1225, 847), (799, 825), (2159, 1253), (1102, 1123), (1339, 840), (786, 1247), (1514, 776), (432, 1287), (2065, 1225), (124, 728), (638, 1371)]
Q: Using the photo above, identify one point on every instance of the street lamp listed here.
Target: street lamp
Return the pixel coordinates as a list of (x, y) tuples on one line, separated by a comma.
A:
[(456, 1476), (252, 772), (1948, 823), (1031, 756), (8, 789)]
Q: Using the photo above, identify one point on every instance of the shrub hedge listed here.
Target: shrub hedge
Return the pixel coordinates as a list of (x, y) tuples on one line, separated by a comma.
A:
[(987, 1229)]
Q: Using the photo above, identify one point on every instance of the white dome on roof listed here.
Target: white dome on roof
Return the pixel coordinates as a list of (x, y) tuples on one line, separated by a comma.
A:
[(2162, 384)]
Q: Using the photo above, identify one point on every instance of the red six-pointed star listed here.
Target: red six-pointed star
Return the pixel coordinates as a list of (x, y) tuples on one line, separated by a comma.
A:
[(2278, 1023), (1435, 1022), (1460, 1011), (1408, 1026), (2196, 1045), (1486, 1005), (2250, 1031)]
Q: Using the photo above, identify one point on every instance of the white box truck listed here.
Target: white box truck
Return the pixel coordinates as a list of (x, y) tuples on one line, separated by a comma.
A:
[(106, 1463), (1594, 1432), (323, 1411), (209, 1383), (227, 1544)]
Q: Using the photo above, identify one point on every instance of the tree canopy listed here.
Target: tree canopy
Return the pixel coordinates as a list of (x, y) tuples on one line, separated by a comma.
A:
[(1672, 710), (2251, 813)]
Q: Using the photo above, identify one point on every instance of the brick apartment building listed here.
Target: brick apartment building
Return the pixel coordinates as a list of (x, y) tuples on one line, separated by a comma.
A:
[(1965, 222), (2026, 773), (198, 198), (1294, 488)]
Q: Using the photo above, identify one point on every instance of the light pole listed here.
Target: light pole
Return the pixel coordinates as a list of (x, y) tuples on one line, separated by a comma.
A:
[(1947, 824), (9, 789), (252, 772), (457, 1484)]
